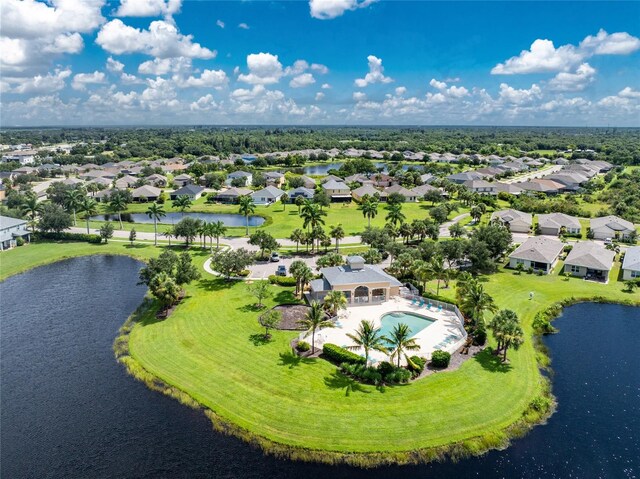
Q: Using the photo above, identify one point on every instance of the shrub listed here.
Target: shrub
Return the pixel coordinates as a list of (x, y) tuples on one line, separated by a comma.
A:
[(19, 241), (94, 239), (244, 273), (282, 280), (303, 346), (416, 365), (479, 337), (361, 372), (440, 359), (340, 355), (567, 248)]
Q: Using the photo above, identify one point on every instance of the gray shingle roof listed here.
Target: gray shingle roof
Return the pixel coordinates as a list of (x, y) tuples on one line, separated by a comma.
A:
[(611, 222), (632, 259), (335, 185), (511, 215), (590, 255), (188, 190), (540, 249), (8, 222), (268, 192), (557, 220)]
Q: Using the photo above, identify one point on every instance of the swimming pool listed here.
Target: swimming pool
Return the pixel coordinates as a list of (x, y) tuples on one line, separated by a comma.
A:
[(415, 322)]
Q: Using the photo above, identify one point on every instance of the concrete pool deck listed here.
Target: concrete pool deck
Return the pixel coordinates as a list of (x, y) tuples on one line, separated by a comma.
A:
[(444, 333)]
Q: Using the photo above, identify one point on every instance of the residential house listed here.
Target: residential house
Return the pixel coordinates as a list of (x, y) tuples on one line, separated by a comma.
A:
[(631, 264), (145, 193), (248, 177), (409, 195), (306, 193), (589, 260), (309, 183), (126, 181), (231, 195), (93, 174), (26, 170), (612, 227), (539, 252), (360, 283), (157, 180), (516, 221), (460, 178), (553, 224), (182, 180), (10, 230), (3, 192), (337, 190), (274, 178), (427, 178), (24, 157), (192, 191), (510, 188), (267, 196), (370, 190), (539, 185), (331, 177), (423, 189), (481, 187)]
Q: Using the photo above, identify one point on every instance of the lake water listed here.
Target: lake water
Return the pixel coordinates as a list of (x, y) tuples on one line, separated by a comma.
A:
[(173, 218), (323, 169), (69, 410)]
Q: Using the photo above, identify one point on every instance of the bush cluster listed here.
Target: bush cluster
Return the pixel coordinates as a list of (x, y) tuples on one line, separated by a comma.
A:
[(416, 365), (385, 373), (282, 280), (340, 355), (440, 359), (303, 346), (94, 239)]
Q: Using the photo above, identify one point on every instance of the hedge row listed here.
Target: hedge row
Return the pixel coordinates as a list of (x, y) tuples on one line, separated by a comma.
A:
[(94, 239), (340, 355), (282, 280)]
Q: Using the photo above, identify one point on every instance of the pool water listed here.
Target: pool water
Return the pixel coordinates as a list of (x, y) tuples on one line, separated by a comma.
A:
[(415, 322)]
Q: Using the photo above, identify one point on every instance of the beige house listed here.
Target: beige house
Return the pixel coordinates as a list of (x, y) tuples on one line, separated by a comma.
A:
[(611, 227), (552, 224), (589, 260), (361, 283), (539, 252), (631, 264), (516, 221), (409, 196), (337, 190)]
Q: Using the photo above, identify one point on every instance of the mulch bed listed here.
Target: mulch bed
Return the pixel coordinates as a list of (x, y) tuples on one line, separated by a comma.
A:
[(457, 359), (165, 313), (291, 314)]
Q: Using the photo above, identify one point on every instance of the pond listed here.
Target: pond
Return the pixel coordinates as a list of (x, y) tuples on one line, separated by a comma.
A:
[(172, 218), (323, 169), (69, 410)]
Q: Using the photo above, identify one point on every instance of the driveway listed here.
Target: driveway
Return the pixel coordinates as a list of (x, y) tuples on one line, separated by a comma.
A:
[(534, 174)]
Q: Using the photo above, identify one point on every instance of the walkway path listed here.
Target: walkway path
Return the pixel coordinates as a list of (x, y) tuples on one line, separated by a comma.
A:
[(444, 227)]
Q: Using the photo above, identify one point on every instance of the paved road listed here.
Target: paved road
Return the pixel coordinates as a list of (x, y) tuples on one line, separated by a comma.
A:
[(444, 227), (534, 174)]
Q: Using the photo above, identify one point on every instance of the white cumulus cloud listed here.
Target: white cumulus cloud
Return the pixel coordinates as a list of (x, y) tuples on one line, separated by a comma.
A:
[(328, 9), (375, 75), (264, 69), (81, 80), (220, 23), (148, 8), (208, 78), (573, 81), (302, 80), (114, 66)]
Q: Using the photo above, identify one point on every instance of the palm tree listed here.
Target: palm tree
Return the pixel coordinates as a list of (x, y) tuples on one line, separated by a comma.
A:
[(32, 208), (93, 188), (406, 231), (72, 200), (401, 341), (507, 331), (334, 301), (284, 199), (369, 208), (337, 233), (216, 229), (476, 303), (367, 337), (155, 212), (312, 215), (315, 319), (297, 235), (437, 270), (117, 204), (476, 213), (168, 234), (183, 203), (298, 270), (247, 208), (395, 214), (89, 207)]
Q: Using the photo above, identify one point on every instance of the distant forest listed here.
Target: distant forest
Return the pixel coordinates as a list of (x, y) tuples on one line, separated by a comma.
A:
[(617, 145)]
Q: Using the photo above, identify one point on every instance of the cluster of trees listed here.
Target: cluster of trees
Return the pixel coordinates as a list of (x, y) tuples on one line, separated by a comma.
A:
[(166, 274)]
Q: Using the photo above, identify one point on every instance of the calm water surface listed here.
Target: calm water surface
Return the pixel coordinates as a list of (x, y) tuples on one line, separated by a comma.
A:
[(68, 410), (172, 218)]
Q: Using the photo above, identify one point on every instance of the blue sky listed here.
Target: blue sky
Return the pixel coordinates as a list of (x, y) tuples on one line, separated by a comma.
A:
[(319, 62)]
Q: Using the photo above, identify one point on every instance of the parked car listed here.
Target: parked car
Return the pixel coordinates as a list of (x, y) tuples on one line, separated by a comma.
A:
[(281, 271), (275, 257), (608, 242)]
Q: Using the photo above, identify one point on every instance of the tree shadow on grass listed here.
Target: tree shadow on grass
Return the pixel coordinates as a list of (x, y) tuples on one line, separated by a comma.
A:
[(337, 380), (292, 360), (214, 284), (492, 363), (251, 308), (285, 297), (259, 339), (136, 246)]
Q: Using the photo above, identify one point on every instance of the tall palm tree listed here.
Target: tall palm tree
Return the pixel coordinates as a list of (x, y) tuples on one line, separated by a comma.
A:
[(395, 214), (367, 337), (93, 188), (32, 208), (298, 270), (400, 341), (476, 303), (312, 215), (183, 203), (437, 270), (297, 235), (217, 229), (314, 320), (155, 212), (169, 234), (117, 204), (334, 301), (89, 207), (512, 337), (284, 199), (369, 208), (337, 233), (72, 200), (247, 208)]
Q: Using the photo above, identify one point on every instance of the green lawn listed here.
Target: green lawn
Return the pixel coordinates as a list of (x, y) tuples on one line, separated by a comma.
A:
[(208, 348)]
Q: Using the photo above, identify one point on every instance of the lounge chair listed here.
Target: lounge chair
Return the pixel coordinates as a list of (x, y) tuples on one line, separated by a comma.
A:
[(439, 308), (414, 301), (429, 305), (421, 304)]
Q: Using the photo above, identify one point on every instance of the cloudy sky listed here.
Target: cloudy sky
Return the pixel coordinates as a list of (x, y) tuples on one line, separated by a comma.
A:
[(95, 62)]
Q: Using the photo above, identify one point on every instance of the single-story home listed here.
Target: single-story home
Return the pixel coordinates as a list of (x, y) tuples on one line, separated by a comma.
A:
[(460, 178), (10, 230), (274, 178), (337, 190), (146, 193), (368, 189), (611, 227), (539, 185), (361, 283), (422, 190), (507, 188), (409, 195), (631, 264), (589, 260), (157, 180), (248, 177), (306, 193), (539, 252), (192, 191), (267, 196), (125, 182), (309, 183), (481, 187), (552, 224), (516, 221), (182, 180), (231, 195)]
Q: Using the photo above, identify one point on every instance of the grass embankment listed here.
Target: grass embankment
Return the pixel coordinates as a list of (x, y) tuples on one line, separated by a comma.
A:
[(280, 223), (209, 350)]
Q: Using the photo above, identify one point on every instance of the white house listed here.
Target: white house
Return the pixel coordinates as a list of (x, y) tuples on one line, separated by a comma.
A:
[(552, 224), (10, 230), (516, 221), (589, 260), (248, 177), (540, 253), (611, 227), (267, 196), (631, 264)]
